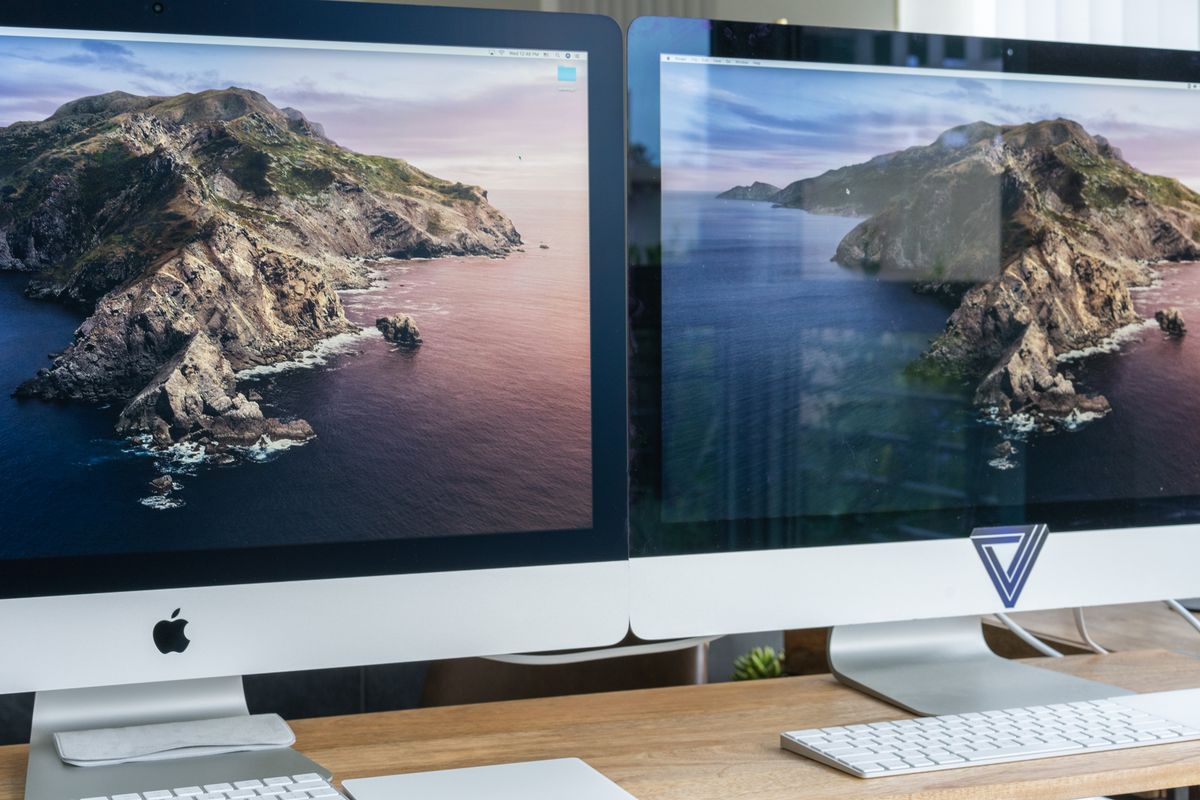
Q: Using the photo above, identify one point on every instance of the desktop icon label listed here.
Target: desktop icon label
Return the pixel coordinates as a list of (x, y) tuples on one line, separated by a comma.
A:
[(995, 548), (169, 636)]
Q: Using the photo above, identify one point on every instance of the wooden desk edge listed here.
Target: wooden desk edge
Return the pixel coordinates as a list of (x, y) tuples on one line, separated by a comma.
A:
[(721, 740)]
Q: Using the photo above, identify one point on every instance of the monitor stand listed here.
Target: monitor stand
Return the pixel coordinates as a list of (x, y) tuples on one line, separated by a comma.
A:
[(944, 666), (48, 778)]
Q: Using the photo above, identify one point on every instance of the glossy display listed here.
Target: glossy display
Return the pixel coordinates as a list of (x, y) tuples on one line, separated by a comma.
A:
[(903, 287)]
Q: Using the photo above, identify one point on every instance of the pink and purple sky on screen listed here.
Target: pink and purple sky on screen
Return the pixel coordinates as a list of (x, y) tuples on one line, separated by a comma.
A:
[(728, 125), (501, 123)]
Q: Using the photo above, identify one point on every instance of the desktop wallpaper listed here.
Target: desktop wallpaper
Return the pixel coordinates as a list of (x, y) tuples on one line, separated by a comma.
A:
[(900, 292), (255, 295)]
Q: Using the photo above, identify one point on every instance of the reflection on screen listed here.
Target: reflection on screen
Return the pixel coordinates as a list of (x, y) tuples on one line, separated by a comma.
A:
[(899, 291)]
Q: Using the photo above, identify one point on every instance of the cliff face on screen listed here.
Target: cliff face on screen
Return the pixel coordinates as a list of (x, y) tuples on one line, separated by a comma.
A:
[(256, 295), (1036, 231), (205, 234), (959, 294)]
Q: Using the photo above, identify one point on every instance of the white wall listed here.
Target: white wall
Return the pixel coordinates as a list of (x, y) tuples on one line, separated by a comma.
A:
[(843, 13), (1146, 23)]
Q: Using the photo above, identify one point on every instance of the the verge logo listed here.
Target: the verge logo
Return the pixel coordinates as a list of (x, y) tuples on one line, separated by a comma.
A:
[(993, 544)]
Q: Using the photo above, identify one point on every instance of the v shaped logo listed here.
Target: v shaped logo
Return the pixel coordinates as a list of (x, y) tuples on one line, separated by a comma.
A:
[(1009, 579)]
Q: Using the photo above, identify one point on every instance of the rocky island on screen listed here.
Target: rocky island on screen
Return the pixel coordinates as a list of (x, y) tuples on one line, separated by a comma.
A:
[(251, 294), (926, 297)]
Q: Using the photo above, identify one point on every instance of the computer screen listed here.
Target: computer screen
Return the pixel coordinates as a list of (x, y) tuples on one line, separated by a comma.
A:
[(260, 292), (900, 302)]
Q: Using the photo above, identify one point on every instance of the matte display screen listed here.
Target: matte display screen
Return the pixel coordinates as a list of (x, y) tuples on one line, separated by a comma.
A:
[(262, 292)]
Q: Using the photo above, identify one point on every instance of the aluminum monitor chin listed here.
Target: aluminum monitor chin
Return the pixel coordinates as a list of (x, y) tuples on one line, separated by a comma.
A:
[(329, 292), (891, 288)]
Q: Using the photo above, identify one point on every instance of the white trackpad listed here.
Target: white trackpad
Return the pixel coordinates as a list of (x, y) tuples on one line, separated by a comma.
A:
[(534, 780), (1182, 706)]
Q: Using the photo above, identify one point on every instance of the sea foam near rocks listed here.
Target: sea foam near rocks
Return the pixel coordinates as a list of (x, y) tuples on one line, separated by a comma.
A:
[(1077, 419), (310, 359), (180, 459), (378, 280), (1110, 344), (267, 449), (161, 503)]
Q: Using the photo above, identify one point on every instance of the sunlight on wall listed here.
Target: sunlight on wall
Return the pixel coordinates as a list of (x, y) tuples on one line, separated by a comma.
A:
[(1145, 23)]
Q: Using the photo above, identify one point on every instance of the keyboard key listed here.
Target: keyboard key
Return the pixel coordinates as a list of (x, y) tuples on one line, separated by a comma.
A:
[(946, 759), (861, 751), (313, 787), (863, 758), (1093, 742), (304, 786), (984, 754), (839, 751), (922, 744), (1150, 724)]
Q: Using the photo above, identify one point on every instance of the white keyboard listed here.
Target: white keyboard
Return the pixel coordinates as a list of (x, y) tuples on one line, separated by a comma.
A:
[(296, 787), (994, 737)]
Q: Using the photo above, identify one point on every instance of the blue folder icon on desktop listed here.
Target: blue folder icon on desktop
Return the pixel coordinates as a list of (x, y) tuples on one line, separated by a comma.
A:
[(566, 73)]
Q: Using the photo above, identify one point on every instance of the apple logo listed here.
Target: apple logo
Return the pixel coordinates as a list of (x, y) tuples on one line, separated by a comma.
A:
[(169, 636)]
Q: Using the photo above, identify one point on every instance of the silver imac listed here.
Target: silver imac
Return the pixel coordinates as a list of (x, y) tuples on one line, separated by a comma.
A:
[(307, 325), (910, 342)]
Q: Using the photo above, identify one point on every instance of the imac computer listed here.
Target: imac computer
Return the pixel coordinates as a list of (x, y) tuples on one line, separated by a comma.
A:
[(307, 325), (912, 342)]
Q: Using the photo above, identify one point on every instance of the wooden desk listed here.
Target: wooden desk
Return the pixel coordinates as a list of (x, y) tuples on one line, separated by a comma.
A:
[(720, 742), (1137, 626)]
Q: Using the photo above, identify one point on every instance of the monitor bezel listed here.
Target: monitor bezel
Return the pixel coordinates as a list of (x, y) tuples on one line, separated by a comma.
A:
[(606, 540), (651, 37)]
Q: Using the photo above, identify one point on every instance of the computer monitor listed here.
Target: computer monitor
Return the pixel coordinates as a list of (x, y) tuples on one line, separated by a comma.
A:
[(887, 290), (307, 338)]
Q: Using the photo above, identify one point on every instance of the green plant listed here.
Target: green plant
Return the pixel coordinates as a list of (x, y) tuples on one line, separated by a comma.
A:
[(761, 662)]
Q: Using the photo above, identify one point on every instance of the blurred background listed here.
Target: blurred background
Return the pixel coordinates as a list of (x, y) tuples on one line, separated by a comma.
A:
[(1146, 23)]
